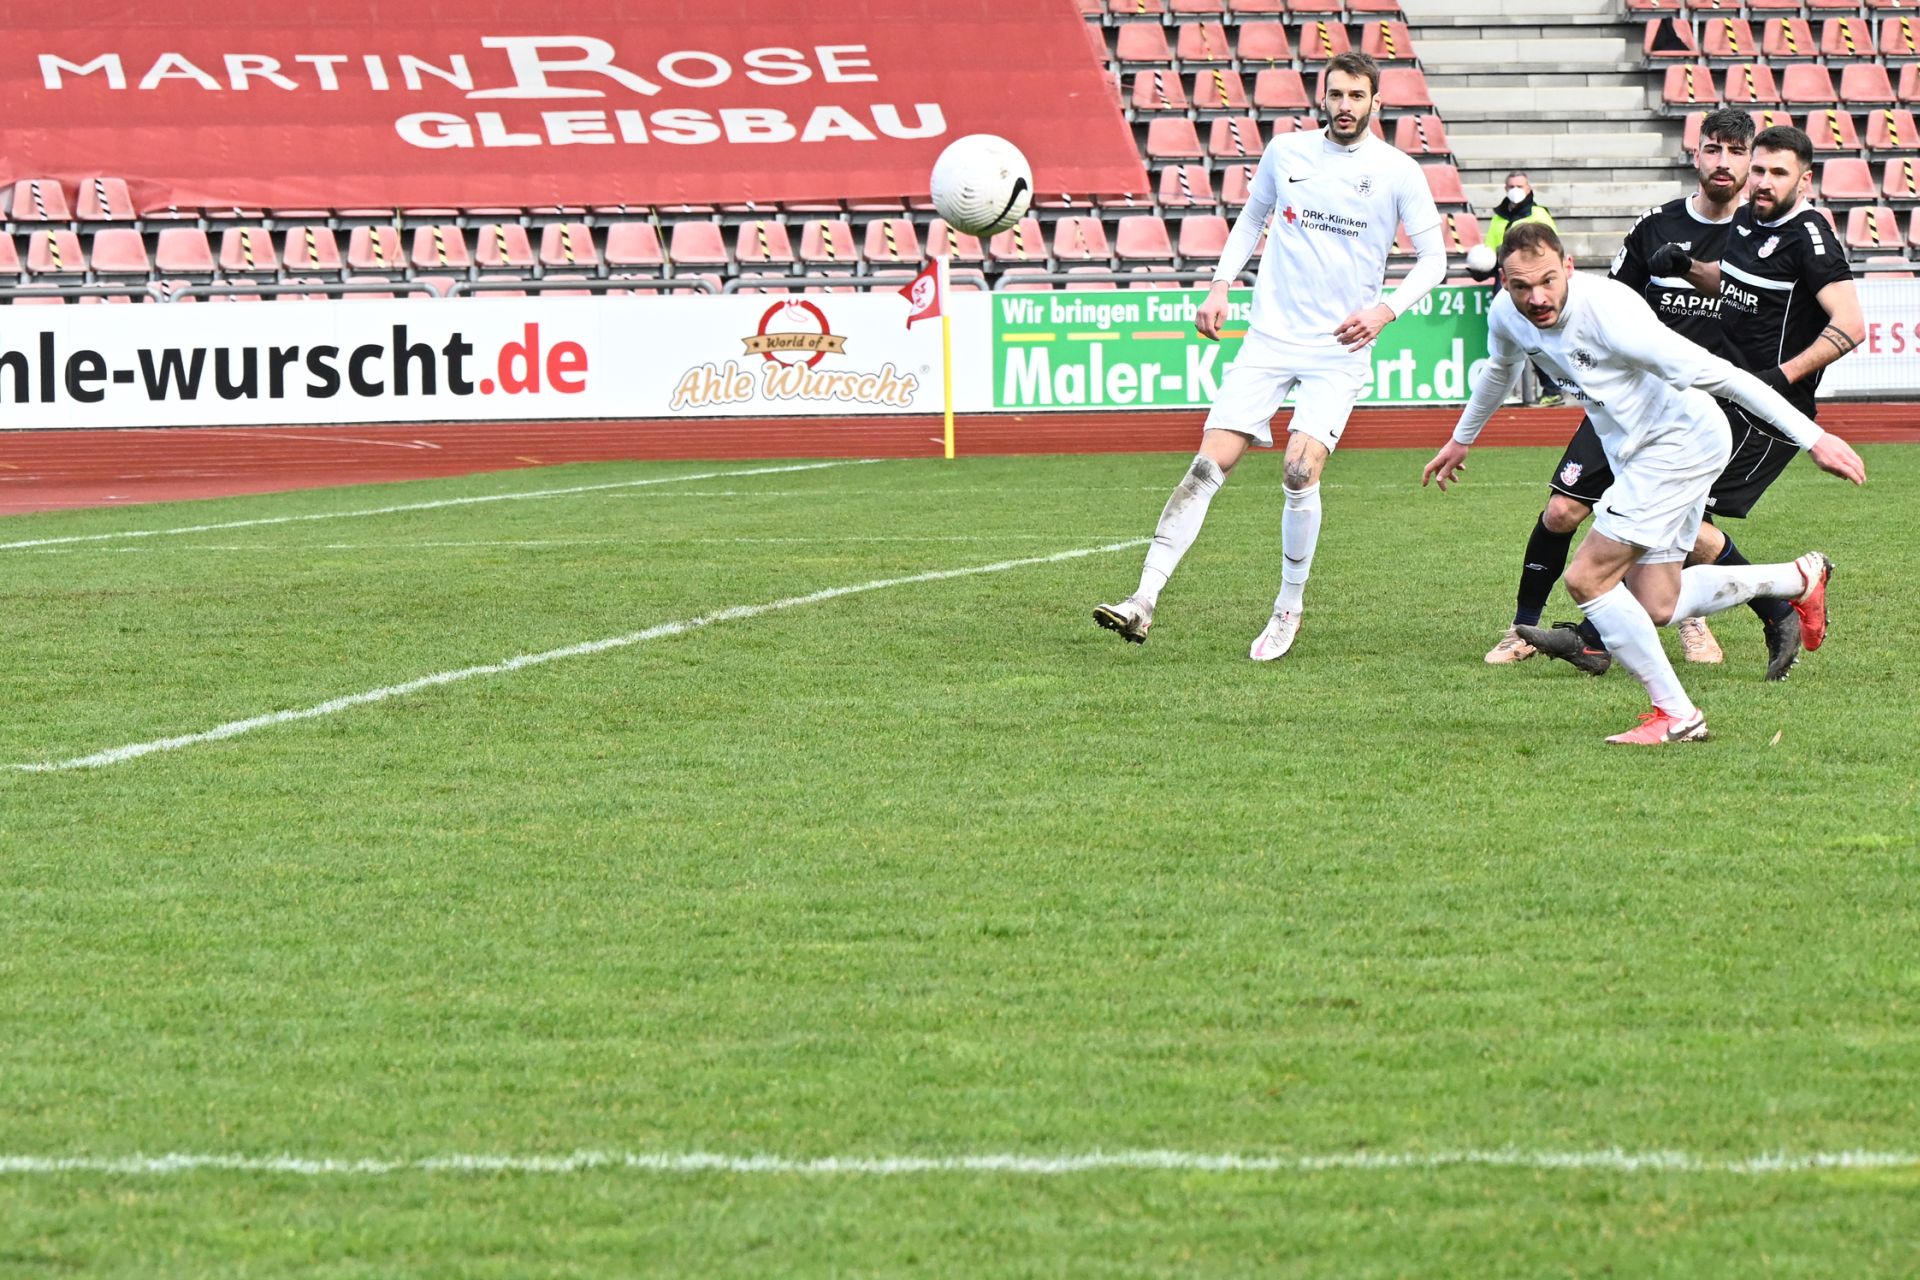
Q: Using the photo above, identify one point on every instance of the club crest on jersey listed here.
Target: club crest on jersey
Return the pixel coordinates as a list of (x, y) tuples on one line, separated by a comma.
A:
[(1364, 187), (1773, 242), (1570, 474), (1583, 358)]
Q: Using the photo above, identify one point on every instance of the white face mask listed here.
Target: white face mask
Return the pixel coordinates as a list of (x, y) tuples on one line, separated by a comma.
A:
[(1516, 194)]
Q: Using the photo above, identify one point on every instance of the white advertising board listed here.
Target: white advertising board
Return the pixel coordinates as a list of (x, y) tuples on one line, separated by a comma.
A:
[(480, 359)]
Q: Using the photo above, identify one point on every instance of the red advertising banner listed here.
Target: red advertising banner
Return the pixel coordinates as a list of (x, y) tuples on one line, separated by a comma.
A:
[(472, 103)]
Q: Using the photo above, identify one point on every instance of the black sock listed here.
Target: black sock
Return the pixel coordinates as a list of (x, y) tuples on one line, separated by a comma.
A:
[(1545, 561), (1769, 609), (1591, 635)]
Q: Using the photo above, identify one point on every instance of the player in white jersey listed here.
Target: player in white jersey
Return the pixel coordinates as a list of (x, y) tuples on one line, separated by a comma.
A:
[(1340, 194), (1649, 394)]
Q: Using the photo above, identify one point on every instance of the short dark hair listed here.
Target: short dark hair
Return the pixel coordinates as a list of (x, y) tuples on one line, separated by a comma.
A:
[(1784, 137), (1354, 63), (1729, 124), (1533, 236)]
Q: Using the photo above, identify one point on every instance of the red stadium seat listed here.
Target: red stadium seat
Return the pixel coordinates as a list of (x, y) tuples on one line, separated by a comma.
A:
[(1097, 41), (696, 244), (311, 248), (183, 251), (1256, 8), (1204, 8), (39, 200), (1173, 138), (1314, 8), (1158, 91), (1727, 39), (634, 247), (1770, 118), (1910, 82), (1264, 42), (248, 251), (1201, 43), (440, 249), (1752, 82), (1280, 89), (1831, 130), (1202, 237), (762, 243), (375, 251), (828, 242), (1902, 180), (1140, 44), (1405, 89), (1865, 84), (1186, 185), (568, 246), (1873, 229), (1892, 129), (1913, 229), (1443, 180), (1878, 5), (1234, 182), (55, 252), (1653, 6), (957, 245), (1899, 36), (1690, 132), (1323, 39), (1080, 239), (503, 246), (1689, 86), (104, 200), (1787, 39), (1421, 136), (1842, 38), (1668, 38), (1847, 179), (119, 251), (1137, 10), (1219, 89), (9, 258), (1462, 232), (1231, 137), (1804, 84), (1022, 242), (1387, 41), (1142, 237), (892, 240)]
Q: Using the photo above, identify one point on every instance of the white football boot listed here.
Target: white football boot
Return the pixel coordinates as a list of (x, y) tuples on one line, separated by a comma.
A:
[(1277, 638)]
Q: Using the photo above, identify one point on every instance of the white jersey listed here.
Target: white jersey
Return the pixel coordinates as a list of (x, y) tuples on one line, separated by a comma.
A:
[(1637, 379), (1335, 210)]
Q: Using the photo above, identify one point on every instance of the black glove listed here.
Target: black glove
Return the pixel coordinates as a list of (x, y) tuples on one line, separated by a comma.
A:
[(1668, 260), (1776, 377)]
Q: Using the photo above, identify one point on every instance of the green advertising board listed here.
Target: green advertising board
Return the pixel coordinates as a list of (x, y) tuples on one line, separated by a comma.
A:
[(1137, 348)]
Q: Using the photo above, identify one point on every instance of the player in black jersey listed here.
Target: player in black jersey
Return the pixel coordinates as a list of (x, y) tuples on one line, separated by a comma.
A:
[(1700, 222), (1788, 309)]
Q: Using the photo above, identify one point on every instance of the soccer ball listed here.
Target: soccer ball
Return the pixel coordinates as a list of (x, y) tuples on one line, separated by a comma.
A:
[(1480, 260), (982, 184)]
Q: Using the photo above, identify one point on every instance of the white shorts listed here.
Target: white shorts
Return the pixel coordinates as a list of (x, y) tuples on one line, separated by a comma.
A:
[(1324, 382), (1658, 498)]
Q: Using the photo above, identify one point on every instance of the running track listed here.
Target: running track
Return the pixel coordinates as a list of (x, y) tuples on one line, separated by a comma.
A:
[(54, 470)]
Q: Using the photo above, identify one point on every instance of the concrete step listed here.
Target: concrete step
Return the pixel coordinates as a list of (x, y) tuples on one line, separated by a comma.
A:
[(1511, 54), (1494, 12), (1588, 102), (1567, 150), (1583, 199)]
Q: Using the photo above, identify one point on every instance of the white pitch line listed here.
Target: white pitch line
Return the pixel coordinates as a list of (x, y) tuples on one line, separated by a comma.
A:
[(428, 506), (735, 613), (1606, 1160)]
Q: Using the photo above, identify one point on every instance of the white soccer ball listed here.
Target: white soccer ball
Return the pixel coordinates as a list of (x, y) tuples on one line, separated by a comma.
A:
[(1480, 260), (982, 184)]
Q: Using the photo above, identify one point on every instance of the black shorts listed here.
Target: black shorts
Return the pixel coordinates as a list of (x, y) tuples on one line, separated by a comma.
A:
[(1759, 457)]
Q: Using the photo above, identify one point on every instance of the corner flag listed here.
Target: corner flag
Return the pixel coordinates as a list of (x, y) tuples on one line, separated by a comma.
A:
[(927, 294)]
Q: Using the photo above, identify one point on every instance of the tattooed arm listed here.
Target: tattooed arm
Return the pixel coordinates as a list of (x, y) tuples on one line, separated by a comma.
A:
[(1846, 329)]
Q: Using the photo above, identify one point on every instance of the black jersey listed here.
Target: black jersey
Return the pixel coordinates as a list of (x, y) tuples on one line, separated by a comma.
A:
[(1688, 311), (1771, 274)]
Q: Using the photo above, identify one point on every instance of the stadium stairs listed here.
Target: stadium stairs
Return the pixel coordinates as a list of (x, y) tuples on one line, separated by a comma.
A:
[(1561, 91)]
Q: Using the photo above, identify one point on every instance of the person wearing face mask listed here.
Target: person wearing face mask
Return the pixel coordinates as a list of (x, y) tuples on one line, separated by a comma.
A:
[(1519, 206)]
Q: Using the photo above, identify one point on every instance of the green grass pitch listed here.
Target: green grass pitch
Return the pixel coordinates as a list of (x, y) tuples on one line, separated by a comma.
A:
[(941, 870)]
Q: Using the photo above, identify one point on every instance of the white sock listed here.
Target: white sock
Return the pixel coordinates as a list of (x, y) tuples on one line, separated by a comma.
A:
[(1179, 524), (1299, 535), (1708, 588), (1634, 642)]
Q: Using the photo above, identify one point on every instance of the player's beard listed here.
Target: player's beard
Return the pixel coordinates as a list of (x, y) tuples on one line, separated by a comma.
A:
[(1359, 128)]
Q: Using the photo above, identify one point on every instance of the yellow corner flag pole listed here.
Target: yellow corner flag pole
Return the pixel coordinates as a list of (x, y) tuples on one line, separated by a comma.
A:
[(946, 352)]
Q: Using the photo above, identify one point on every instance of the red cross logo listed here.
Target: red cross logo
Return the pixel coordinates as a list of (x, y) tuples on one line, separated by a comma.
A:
[(1290, 215)]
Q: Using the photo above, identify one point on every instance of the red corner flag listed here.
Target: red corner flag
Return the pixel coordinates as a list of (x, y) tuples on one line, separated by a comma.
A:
[(923, 291)]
